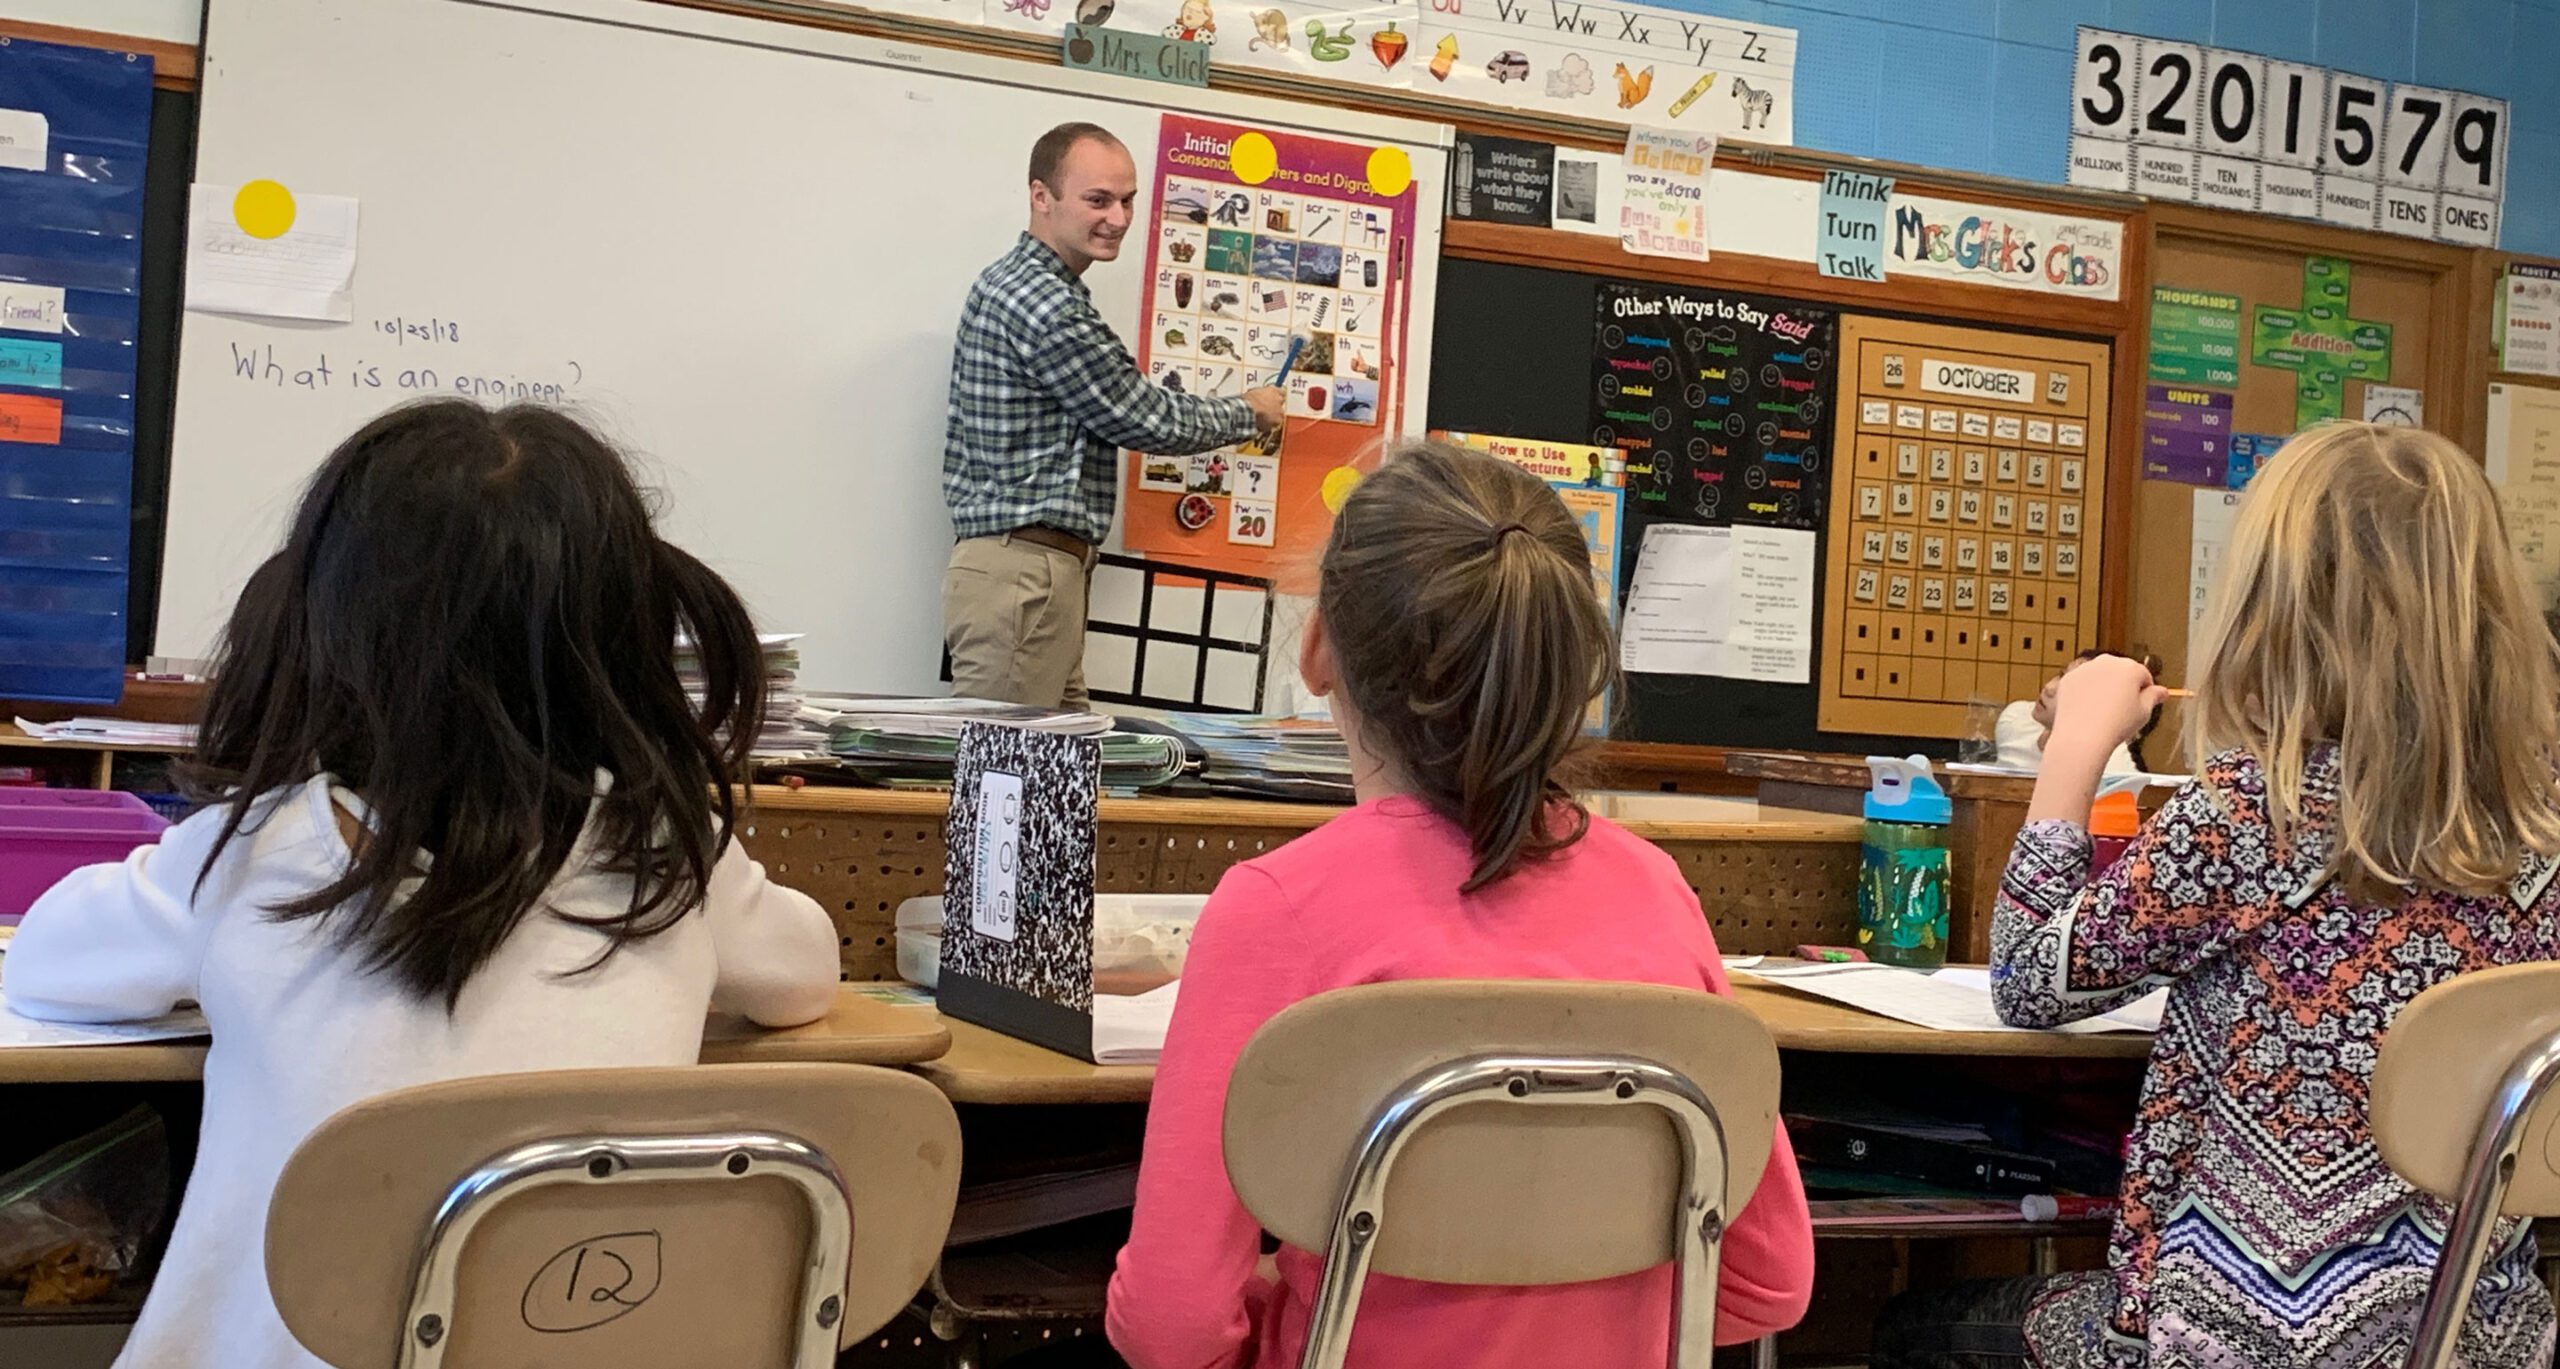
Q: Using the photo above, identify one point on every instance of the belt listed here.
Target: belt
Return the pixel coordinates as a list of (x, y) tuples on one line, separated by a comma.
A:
[(1054, 540)]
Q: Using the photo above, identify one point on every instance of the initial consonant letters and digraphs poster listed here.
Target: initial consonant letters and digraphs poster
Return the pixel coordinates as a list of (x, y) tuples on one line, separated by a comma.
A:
[(1965, 519)]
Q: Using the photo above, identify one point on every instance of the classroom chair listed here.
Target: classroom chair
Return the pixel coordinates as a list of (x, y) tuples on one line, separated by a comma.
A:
[(1497, 1132), (2462, 1108), (741, 1215)]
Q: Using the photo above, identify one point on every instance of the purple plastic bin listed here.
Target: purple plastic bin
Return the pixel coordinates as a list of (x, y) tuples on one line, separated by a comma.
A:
[(48, 833)]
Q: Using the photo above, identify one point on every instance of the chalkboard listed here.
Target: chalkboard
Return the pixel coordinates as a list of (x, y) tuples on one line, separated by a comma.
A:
[(1511, 356)]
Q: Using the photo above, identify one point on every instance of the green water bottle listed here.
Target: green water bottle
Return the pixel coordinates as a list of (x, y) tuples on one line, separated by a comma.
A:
[(1902, 882)]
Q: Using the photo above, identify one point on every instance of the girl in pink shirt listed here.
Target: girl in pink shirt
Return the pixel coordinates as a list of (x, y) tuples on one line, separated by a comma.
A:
[(1458, 636)]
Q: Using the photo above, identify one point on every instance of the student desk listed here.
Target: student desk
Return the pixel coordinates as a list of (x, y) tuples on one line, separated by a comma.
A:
[(985, 1066), (1769, 878), (979, 1292), (859, 1031)]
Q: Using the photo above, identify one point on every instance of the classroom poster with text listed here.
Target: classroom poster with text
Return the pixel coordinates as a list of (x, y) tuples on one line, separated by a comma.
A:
[(1272, 259), (1717, 400)]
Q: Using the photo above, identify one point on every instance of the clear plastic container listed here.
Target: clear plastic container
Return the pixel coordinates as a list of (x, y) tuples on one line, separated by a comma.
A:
[(1137, 938)]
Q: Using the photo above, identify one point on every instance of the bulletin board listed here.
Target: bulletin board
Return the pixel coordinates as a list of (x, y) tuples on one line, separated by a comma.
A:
[(1966, 522), (2414, 289)]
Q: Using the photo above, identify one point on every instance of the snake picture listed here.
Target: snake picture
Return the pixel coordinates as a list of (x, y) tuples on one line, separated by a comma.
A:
[(1328, 47)]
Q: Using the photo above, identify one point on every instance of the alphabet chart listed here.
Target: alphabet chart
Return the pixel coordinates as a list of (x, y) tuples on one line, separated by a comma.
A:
[(1965, 520)]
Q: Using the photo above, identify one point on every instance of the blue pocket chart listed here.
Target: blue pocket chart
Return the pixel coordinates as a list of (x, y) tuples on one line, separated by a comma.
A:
[(72, 229)]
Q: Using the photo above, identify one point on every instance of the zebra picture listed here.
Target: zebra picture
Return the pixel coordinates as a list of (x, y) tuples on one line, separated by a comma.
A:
[(1755, 103)]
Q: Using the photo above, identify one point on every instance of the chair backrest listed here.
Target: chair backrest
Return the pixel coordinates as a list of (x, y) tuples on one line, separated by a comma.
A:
[(672, 1272), (2439, 1075), (1492, 1193)]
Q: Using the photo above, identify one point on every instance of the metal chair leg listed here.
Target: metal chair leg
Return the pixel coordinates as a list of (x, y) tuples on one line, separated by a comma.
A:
[(2475, 1214)]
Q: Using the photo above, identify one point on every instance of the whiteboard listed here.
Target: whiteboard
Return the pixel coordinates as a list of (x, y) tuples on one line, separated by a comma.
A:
[(736, 246)]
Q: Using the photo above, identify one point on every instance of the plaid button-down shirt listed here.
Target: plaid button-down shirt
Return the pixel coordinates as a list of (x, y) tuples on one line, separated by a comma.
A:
[(1044, 396)]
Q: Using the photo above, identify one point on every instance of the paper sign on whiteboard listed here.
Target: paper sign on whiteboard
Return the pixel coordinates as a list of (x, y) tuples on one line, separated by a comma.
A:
[(307, 271)]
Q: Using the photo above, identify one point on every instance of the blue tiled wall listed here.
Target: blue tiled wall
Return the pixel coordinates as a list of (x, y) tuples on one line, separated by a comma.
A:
[(1983, 85)]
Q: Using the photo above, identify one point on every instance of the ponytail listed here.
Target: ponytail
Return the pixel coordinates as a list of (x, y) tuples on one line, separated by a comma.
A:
[(1458, 597)]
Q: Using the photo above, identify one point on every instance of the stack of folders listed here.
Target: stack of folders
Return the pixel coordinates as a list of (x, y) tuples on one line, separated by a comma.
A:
[(781, 736), (111, 732), (914, 741), (1266, 757)]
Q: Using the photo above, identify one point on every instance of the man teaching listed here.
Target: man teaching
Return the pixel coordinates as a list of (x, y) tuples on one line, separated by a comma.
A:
[(1043, 397)]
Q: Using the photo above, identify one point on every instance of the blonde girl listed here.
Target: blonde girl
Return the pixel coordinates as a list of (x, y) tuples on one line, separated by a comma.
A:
[(2373, 812)]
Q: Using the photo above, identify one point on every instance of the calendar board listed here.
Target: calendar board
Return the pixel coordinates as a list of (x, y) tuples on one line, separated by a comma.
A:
[(1964, 525)]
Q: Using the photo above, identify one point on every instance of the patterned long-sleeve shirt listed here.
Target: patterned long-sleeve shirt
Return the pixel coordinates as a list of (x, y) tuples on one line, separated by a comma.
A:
[(1043, 396), (2260, 1225)]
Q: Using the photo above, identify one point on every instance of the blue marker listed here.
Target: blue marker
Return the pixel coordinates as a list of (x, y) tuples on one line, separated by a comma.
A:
[(1297, 344)]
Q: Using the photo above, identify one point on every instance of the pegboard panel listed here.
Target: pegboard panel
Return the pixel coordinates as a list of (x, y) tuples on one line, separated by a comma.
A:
[(1759, 896), (1769, 897), (1178, 860), (860, 867)]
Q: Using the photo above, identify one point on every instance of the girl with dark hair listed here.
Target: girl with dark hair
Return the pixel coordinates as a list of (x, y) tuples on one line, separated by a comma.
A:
[(1458, 636), (461, 820)]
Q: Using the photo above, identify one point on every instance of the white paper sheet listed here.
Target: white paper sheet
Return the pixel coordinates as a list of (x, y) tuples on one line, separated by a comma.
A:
[(1735, 602), (2395, 405), (1680, 606), (1662, 209), (1772, 637), (30, 308), (25, 136), (1591, 189), (307, 272), (1954, 1000), (20, 1033), (2215, 512), (2523, 460), (1128, 1029), (2530, 344), (2142, 1014)]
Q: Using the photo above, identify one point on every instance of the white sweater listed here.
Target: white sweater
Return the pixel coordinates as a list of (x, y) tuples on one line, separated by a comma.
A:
[(300, 1031)]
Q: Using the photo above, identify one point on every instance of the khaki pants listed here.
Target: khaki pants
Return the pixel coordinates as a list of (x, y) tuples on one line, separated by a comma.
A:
[(1013, 617)]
